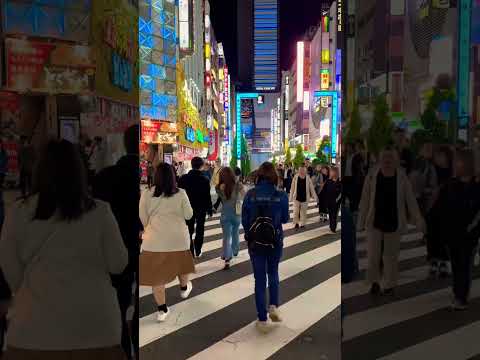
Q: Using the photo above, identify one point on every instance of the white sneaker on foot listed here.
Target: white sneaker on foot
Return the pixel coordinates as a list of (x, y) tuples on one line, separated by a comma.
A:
[(274, 314), (162, 316), (185, 293), (263, 327)]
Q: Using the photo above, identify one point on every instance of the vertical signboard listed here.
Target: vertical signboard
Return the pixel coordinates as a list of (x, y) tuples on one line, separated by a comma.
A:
[(300, 63), (185, 21), (463, 72)]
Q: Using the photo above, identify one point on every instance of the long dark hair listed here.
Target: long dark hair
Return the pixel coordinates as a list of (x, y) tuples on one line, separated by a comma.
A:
[(266, 172), (60, 181), (165, 181), (227, 178)]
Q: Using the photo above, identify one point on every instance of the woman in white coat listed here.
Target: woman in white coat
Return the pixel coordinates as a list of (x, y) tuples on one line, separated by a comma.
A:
[(301, 193), (166, 241)]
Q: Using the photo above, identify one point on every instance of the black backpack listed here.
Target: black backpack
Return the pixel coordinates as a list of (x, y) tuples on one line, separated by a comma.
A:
[(262, 233)]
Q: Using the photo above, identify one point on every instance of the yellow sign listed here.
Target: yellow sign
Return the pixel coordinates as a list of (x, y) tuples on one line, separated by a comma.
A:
[(208, 52), (188, 117), (117, 36), (325, 56)]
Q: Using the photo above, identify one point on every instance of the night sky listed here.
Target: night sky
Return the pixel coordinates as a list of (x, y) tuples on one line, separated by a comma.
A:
[(296, 16)]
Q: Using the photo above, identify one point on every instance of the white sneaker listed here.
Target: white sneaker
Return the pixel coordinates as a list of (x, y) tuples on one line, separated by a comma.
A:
[(184, 293), (274, 314), (162, 316), (199, 255), (263, 327)]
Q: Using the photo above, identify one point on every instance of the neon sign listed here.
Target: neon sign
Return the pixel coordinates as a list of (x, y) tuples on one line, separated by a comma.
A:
[(335, 117), (325, 79), (189, 134), (238, 130)]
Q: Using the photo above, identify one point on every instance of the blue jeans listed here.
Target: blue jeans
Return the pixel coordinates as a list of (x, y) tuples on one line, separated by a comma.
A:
[(231, 238), (266, 263)]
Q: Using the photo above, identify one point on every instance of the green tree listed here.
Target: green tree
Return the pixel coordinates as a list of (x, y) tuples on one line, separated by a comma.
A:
[(299, 158), (323, 152), (274, 161), (288, 156), (234, 159), (354, 126), (381, 129)]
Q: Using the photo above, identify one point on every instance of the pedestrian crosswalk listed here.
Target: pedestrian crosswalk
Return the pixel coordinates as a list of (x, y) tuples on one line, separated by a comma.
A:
[(414, 323), (217, 320)]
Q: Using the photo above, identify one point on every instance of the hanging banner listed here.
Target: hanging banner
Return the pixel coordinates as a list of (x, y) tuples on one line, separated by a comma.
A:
[(48, 67)]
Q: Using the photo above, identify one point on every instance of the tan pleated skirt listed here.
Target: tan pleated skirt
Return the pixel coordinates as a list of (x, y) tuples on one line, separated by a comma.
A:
[(161, 268), (112, 353)]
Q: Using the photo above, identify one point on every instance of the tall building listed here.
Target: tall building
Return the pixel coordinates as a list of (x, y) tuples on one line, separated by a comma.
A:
[(158, 55), (258, 45)]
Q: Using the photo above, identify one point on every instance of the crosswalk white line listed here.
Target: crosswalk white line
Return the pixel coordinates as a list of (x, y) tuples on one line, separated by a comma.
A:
[(298, 315), (200, 306), (448, 343), (218, 230), (217, 244), (377, 318), (209, 267)]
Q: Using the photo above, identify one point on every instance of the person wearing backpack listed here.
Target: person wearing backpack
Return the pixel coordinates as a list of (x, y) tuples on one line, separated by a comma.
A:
[(230, 191), (264, 211)]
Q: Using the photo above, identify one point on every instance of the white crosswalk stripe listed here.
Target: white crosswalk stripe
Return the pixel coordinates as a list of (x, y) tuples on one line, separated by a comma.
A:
[(217, 320), (413, 323)]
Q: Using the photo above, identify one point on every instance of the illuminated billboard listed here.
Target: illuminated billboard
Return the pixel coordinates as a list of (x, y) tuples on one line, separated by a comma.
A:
[(265, 51), (300, 61), (158, 87), (185, 22)]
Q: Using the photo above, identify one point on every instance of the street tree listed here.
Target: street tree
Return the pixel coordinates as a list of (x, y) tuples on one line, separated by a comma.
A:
[(299, 158), (381, 129)]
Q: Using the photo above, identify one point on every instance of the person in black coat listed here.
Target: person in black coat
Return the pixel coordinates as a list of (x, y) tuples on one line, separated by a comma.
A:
[(458, 207), (333, 193), (322, 197), (119, 185), (197, 187)]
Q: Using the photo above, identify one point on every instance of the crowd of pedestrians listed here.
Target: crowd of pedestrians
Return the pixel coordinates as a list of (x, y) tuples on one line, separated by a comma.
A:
[(437, 191), (68, 255), (177, 206)]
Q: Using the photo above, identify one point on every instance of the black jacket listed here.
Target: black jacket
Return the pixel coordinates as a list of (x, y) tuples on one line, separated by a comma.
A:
[(197, 187), (457, 213), (119, 185)]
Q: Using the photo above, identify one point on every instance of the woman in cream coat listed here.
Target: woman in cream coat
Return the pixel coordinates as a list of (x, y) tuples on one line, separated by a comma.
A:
[(301, 193), (166, 242), (386, 200)]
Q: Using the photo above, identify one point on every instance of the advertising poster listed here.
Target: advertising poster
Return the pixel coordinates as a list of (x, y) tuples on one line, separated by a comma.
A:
[(48, 67), (115, 38)]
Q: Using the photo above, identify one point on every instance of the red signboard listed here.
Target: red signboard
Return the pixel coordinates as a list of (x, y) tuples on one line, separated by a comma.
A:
[(48, 67), (151, 130), (9, 101)]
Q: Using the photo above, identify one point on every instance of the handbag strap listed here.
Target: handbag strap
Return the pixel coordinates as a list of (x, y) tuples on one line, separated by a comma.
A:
[(151, 214), (36, 257)]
